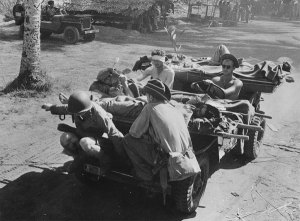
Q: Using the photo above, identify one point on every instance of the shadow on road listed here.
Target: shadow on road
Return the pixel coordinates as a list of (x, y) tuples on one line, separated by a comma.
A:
[(50, 195), (231, 161)]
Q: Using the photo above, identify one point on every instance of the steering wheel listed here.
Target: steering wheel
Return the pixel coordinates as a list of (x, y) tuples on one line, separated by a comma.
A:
[(213, 90)]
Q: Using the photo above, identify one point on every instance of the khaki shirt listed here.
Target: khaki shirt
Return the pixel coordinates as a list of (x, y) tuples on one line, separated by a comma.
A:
[(164, 125)]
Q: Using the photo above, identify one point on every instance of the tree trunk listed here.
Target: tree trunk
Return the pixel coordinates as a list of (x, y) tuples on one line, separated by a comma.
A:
[(31, 42), (30, 75)]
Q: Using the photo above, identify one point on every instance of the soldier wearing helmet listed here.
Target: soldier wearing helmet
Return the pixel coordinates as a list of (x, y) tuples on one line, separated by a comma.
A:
[(91, 122)]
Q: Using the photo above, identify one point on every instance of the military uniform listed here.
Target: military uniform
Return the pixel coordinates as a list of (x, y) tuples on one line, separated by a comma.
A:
[(92, 123)]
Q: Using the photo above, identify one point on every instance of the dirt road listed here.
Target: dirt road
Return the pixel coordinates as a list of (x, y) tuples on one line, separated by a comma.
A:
[(32, 188)]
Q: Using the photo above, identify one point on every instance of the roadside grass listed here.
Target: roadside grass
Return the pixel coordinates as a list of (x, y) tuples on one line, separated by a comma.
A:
[(41, 88), (47, 88), (6, 7)]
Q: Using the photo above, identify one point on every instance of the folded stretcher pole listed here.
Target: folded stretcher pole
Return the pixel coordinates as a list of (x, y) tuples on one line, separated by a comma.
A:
[(250, 127), (262, 115), (229, 135), (255, 114)]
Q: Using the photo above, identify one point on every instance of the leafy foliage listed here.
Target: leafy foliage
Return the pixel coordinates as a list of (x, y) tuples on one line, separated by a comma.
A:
[(6, 7), (131, 8)]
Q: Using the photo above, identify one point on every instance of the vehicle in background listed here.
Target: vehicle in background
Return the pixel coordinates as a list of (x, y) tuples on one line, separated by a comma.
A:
[(73, 27)]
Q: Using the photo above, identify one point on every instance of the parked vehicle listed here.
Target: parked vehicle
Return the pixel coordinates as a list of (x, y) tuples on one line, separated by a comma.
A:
[(73, 27), (186, 193), (244, 136), (18, 13)]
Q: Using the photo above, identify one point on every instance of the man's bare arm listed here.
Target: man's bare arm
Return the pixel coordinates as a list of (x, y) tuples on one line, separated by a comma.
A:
[(124, 83), (233, 91)]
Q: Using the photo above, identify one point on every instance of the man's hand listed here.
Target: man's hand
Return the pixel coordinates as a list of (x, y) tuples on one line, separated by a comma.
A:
[(123, 79), (47, 106), (63, 98)]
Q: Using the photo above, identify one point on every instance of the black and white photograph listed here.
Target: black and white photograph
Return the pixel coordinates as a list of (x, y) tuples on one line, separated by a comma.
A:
[(163, 110)]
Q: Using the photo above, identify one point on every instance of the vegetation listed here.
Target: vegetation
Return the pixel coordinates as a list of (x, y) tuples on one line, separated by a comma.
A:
[(23, 83), (6, 7), (126, 7), (31, 77)]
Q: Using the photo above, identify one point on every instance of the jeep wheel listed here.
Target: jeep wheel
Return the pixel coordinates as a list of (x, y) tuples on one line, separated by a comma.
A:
[(71, 35), (45, 34), (188, 192), (252, 146)]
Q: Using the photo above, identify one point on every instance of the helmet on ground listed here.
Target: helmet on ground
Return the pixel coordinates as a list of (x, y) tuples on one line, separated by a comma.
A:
[(79, 102)]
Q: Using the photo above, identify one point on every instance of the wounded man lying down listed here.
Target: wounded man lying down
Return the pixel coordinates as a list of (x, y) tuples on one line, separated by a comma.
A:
[(193, 108), (128, 107), (201, 113)]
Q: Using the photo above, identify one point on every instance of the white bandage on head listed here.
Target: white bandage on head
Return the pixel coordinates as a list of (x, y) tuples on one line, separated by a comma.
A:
[(158, 58)]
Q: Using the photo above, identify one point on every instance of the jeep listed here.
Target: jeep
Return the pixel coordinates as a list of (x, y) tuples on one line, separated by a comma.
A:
[(71, 26)]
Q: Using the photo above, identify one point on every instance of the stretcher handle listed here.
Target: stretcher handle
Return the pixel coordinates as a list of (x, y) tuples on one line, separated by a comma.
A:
[(228, 135), (250, 127), (262, 115), (255, 114)]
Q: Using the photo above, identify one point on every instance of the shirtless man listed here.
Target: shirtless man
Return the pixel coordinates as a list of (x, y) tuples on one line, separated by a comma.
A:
[(230, 84), (159, 70)]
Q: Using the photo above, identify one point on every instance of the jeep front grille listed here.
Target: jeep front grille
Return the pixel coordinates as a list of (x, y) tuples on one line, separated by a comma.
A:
[(86, 23)]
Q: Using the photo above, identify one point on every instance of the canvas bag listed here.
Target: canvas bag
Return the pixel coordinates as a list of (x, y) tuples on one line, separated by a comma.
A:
[(182, 166)]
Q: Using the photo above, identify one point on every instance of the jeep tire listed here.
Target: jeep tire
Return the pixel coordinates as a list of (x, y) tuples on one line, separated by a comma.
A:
[(252, 146), (188, 192), (71, 35)]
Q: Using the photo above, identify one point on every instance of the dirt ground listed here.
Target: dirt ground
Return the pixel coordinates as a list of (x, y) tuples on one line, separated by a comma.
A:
[(33, 186)]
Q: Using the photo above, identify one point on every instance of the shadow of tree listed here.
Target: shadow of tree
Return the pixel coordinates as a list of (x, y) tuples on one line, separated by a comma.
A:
[(206, 39), (9, 36), (50, 195), (53, 43)]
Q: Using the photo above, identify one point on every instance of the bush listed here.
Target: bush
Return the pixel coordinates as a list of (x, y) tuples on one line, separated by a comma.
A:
[(6, 7)]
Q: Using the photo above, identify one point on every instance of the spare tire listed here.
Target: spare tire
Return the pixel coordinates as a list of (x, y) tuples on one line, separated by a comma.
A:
[(18, 13)]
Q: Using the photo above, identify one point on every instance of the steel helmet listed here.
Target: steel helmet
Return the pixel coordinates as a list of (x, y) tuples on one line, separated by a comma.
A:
[(79, 102)]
